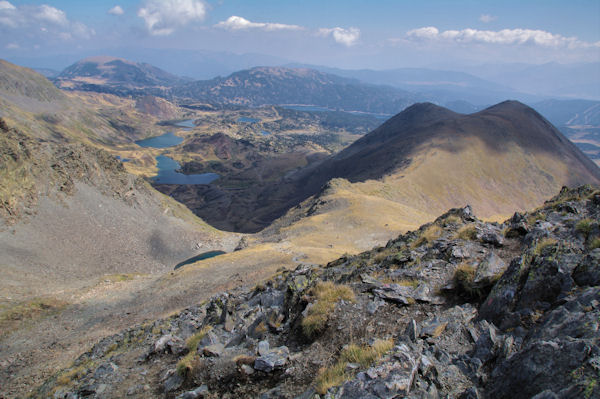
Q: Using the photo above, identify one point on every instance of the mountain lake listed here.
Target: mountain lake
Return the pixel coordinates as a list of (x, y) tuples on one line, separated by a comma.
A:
[(202, 256), (167, 167), (167, 174), (247, 120), (164, 141)]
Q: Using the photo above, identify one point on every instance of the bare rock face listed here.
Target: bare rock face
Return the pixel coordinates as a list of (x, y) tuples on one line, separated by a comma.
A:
[(364, 326)]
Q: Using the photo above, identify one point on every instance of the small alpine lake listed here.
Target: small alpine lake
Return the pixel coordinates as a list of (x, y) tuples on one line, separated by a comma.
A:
[(202, 256), (167, 173), (164, 141)]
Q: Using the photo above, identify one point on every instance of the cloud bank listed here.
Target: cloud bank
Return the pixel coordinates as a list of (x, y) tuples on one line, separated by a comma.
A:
[(347, 37), (502, 37), (162, 17), (42, 22), (238, 23)]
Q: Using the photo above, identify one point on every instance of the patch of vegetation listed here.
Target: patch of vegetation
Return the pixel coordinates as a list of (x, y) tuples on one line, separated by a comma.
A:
[(451, 219), (326, 295), (405, 282), (467, 233), (72, 374), (589, 388), (585, 226), (186, 364), (428, 235), (464, 275), (33, 309), (382, 255), (117, 278), (362, 355), (534, 217), (594, 243), (543, 244)]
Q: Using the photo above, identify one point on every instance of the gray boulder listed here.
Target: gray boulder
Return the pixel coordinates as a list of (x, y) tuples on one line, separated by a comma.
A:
[(276, 358)]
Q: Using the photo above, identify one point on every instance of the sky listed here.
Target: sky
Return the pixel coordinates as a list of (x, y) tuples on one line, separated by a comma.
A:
[(377, 34)]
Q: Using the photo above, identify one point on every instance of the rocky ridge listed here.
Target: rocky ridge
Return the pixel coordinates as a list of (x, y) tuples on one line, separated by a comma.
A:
[(459, 308)]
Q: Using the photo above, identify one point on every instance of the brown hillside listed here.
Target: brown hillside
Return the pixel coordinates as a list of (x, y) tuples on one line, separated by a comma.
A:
[(502, 159)]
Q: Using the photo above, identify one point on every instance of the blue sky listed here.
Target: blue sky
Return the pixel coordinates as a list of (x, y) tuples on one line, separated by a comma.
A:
[(342, 33)]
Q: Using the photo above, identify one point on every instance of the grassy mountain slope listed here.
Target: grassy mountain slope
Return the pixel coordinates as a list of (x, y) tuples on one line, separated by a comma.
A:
[(69, 211), (429, 158)]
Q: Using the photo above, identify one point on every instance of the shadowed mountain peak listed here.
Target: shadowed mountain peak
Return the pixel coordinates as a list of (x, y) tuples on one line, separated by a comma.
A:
[(502, 159)]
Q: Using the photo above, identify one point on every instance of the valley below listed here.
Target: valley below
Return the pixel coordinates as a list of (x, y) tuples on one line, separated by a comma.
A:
[(124, 204)]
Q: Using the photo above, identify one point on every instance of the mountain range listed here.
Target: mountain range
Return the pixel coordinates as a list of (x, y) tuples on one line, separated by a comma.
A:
[(429, 152), (385, 92), (89, 248)]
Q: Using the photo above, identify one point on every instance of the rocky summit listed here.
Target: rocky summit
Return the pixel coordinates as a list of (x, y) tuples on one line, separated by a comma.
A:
[(460, 308)]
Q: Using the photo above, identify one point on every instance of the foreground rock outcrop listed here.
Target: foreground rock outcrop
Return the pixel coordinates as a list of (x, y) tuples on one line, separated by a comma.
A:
[(460, 308)]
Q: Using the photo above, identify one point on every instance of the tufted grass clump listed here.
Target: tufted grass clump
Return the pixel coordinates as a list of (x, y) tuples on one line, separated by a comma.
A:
[(186, 364), (428, 235), (464, 275), (467, 233), (326, 295), (452, 219), (543, 244), (363, 355), (71, 375)]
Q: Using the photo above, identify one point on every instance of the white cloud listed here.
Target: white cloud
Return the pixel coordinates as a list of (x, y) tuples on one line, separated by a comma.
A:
[(116, 10), (5, 5), (51, 22), (502, 37), (12, 46), (487, 18), (347, 37), (238, 23), (162, 17), (50, 14)]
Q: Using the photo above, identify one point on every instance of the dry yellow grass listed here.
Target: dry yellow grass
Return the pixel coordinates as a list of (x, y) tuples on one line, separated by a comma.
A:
[(362, 355), (463, 278), (186, 364), (428, 235), (67, 377), (326, 295), (468, 232), (542, 244), (30, 310)]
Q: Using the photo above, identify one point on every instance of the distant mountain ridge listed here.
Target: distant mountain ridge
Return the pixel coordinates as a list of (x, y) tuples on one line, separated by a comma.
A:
[(439, 86), (114, 72), (277, 85)]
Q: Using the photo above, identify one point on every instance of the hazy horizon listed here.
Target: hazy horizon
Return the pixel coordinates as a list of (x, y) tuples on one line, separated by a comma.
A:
[(202, 39)]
